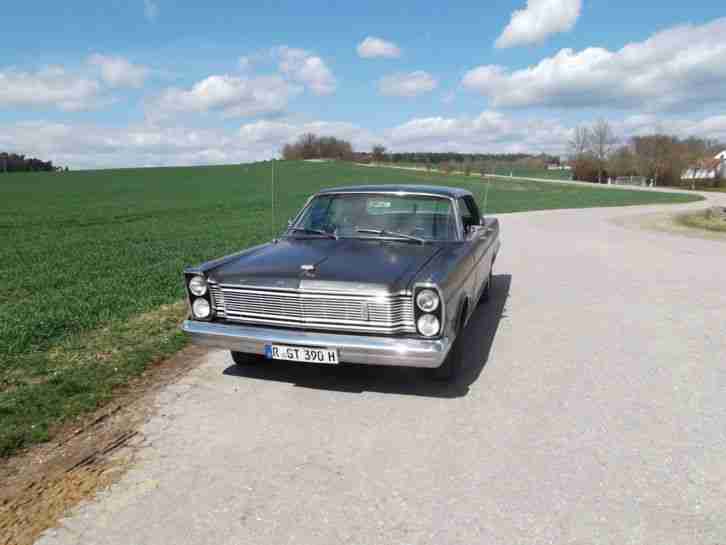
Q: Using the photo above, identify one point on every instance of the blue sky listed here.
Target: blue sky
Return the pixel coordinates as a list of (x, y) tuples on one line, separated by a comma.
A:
[(155, 82)]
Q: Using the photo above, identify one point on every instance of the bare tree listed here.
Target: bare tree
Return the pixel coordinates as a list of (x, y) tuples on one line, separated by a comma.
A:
[(660, 156), (622, 162), (379, 153), (602, 142), (580, 142)]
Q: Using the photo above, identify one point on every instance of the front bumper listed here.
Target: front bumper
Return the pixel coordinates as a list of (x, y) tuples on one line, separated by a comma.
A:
[(351, 348)]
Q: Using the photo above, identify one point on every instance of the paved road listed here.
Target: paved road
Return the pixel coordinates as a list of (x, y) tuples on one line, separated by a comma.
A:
[(592, 410)]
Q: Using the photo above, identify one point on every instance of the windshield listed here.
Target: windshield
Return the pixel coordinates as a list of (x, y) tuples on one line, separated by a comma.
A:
[(422, 217)]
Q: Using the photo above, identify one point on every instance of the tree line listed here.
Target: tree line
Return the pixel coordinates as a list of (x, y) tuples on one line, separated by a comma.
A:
[(379, 154), (13, 162), (597, 154), (312, 146)]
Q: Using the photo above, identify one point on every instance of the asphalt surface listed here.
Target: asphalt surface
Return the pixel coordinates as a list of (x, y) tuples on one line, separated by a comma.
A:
[(592, 409)]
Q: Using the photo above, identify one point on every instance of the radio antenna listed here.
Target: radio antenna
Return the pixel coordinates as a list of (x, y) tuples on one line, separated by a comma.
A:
[(272, 184)]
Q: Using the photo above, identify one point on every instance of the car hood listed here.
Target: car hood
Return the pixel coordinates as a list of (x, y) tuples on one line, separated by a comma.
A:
[(361, 265)]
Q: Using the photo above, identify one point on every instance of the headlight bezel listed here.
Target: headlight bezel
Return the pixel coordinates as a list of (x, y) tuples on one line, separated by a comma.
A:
[(194, 282), (438, 311), (197, 315), (427, 292), (428, 317), (191, 297)]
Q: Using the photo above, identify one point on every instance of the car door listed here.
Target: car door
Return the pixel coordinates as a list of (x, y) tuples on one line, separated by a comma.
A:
[(478, 242)]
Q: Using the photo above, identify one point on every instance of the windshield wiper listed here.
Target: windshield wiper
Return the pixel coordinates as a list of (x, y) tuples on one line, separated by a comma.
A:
[(314, 232), (394, 234)]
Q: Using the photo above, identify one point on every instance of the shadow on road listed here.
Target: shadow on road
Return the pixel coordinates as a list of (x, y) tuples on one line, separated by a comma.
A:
[(478, 338)]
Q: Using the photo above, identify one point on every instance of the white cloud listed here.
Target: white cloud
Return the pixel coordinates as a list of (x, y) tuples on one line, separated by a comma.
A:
[(407, 85), (682, 67), (246, 96), (118, 71), (491, 131), (713, 127), (373, 47), (304, 67), (233, 96), (89, 146), (51, 87), (540, 19), (151, 10)]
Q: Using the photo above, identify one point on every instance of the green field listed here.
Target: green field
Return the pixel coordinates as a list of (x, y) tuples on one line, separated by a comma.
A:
[(92, 265)]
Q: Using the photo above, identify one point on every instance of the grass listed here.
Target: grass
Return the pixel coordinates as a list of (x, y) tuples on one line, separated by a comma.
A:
[(702, 220), (92, 265)]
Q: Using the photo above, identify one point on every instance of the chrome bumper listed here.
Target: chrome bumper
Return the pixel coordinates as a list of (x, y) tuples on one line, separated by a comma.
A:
[(351, 348)]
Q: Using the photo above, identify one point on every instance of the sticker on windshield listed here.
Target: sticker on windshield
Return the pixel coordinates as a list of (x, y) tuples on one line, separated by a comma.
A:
[(379, 204)]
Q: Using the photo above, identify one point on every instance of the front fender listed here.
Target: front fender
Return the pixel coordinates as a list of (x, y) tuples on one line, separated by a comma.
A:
[(450, 271)]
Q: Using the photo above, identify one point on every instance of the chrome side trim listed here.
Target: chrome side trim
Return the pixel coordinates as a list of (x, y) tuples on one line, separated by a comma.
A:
[(352, 348)]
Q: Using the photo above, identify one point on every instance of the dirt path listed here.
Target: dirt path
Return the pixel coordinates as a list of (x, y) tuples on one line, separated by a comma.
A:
[(42, 483), (591, 410)]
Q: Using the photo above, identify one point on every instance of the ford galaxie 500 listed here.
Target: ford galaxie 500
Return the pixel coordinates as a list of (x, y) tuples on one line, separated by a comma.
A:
[(383, 275)]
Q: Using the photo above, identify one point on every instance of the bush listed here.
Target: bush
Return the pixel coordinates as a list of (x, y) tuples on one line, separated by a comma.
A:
[(12, 162), (586, 170), (312, 146)]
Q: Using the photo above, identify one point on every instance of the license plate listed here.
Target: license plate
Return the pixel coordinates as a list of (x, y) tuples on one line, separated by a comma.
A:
[(301, 353)]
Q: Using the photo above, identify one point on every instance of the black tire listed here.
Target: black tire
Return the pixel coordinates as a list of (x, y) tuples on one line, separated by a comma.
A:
[(486, 293), (243, 358), (449, 370)]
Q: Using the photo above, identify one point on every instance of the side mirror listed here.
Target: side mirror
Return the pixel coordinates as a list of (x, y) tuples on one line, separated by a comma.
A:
[(475, 231)]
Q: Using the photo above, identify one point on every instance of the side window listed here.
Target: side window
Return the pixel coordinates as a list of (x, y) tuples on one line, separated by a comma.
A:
[(469, 212)]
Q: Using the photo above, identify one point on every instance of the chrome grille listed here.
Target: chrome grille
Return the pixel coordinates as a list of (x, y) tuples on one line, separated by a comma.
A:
[(217, 299), (379, 314)]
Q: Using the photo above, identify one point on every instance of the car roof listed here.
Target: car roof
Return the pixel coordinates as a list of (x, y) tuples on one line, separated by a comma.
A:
[(442, 190)]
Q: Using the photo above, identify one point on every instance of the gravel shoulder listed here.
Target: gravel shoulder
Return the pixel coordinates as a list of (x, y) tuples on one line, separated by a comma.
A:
[(591, 410), (665, 218)]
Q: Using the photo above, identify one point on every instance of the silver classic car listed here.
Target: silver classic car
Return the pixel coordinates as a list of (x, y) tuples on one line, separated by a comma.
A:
[(377, 274)]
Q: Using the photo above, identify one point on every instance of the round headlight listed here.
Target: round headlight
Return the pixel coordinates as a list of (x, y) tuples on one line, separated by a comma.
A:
[(428, 325), (201, 308), (198, 285), (427, 300)]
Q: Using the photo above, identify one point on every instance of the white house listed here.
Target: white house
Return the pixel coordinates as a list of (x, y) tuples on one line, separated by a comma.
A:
[(709, 169)]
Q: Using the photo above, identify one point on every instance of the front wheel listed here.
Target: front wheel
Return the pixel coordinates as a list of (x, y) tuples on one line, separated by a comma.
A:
[(243, 358), (449, 370), (486, 293)]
